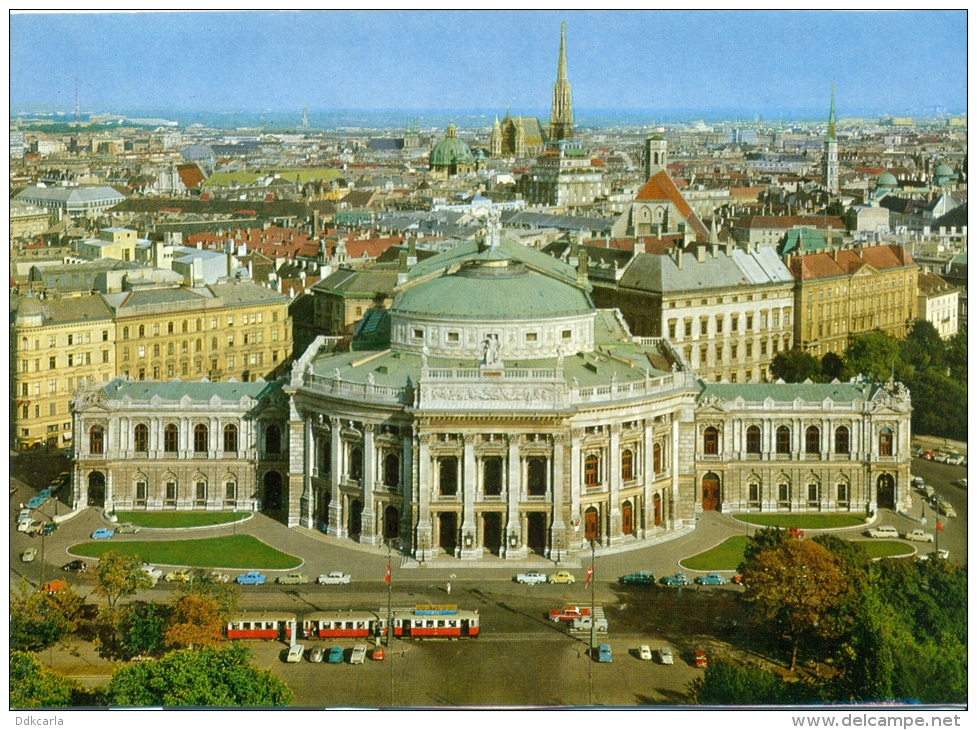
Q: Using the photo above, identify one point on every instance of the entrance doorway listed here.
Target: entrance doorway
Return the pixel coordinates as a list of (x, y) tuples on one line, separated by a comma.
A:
[(658, 509), (492, 531), (448, 532), (355, 513), (325, 499), (886, 494), (710, 492), (627, 519), (536, 476), (536, 529), (591, 524), (391, 523), (96, 489), (273, 491)]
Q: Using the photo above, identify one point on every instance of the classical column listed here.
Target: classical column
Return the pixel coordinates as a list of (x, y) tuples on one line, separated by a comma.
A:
[(406, 485), (309, 454), (578, 528), (422, 544), (514, 547), (109, 499), (673, 508), (337, 527), (558, 537), (297, 433), (470, 549), (614, 481), (648, 469), (368, 520)]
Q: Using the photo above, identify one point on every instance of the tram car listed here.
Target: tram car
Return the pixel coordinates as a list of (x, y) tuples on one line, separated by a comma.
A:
[(261, 626), (343, 625), (435, 622)]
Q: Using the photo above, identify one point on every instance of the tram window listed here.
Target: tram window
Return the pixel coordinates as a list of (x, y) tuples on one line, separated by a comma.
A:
[(246, 625), (349, 624), (429, 624)]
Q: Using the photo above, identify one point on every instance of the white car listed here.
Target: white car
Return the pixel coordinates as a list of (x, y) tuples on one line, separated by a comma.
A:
[(358, 656), (154, 573), (295, 652), (28, 555), (531, 578), (665, 655), (334, 578), (644, 652), (941, 553), (883, 531), (919, 536)]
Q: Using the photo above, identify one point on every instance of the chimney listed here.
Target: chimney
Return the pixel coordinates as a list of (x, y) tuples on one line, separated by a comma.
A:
[(582, 265), (639, 246), (700, 253), (402, 269), (411, 250), (678, 258), (834, 253)]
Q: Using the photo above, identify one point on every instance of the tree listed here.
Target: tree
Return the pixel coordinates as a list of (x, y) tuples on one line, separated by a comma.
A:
[(939, 405), (833, 367), (923, 347), (225, 595), (727, 683), (212, 677), (195, 623), (32, 685), (39, 619), (795, 366), (119, 575), (793, 590), (956, 356), (873, 354), (142, 629)]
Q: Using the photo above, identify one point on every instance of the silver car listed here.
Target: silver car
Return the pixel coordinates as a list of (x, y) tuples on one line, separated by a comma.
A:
[(315, 654), (665, 655)]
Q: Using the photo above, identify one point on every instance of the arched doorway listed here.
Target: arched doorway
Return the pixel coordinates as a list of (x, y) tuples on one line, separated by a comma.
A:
[(627, 519), (658, 509), (886, 492), (492, 531), (355, 513), (273, 491), (710, 492), (96, 489), (391, 523), (536, 532), (591, 524), (536, 476), (448, 532)]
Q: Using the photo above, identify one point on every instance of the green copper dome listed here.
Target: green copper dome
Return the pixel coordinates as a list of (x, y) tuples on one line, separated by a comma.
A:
[(450, 151), (944, 173), (887, 180)]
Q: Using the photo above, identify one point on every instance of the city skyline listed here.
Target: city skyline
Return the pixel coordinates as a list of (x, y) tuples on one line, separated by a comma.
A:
[(662, 63)]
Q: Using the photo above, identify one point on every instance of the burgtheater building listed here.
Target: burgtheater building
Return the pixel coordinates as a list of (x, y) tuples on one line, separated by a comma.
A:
[(494, 410)]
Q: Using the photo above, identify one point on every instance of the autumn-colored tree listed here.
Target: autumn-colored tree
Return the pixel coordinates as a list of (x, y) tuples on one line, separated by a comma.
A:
[(33, 685), (793, 589), (118, 576), (39, 619), (195, 623)]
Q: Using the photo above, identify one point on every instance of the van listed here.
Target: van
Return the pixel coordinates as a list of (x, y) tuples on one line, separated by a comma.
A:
[(358, 656)]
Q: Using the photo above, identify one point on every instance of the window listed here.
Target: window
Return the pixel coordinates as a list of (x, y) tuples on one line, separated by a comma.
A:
[(230, 491), (749, 349), (749, 322), (734, 323), (590, 470), (657, 458), (532, 336), (273, 440), (753, 440), (230, 340), (391, 470), (754, 493), (733, 349), (885, 442), (171, 493), (52, 386), (813, 492), (105, 355), (125, 335), (710, 440), (213, 343), (844, 493), (71, 361), (448, 476), (141, 492), (566, 334), (198, 345), (169, 348), (201, 489), (783, 492), (688, 328), (671, 329), (155, 328), (841, 440), (185, 369), (776, 318), (719, 324), (183, 327), (185, 346), (704, 327), (812, 440), (52, 364), (200, 438), (53, 411), (230, 438), (141, 438), (171, 438), (783, 440), (230, 320), (627, 465), (142, 330), (96, 440)]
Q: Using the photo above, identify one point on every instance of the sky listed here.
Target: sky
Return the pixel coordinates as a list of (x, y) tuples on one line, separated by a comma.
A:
[(662, 62)]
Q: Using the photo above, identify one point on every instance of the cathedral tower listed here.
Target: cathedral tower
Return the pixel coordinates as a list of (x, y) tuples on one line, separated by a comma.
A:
[(656, 156), (561, 117), (830, 163)]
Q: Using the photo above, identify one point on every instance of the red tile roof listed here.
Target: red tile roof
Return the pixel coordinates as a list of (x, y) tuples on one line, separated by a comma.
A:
[(824, 265), (653, 244), (191, 175), (661, 187)]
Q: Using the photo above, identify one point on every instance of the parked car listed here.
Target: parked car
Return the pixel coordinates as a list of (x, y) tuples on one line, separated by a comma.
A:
[(153, 572), (335, 655), (28, 555), (102, 533), (962, 483), (315, 655), (334, 578), (358, 655), (178, 576), (955, 459), (919, 536), (25, 515), (36, 502), (127, 528), (883, 531), (678, 579), (918, 483), (569, 613), (531, 578), (644, 652), (292, 579), (604, 654), (44, 493), (48, 527), (28, 526), (75, 566), (64, 477), (713, 579), (930, 455), (218, 577), (563, 576), (941, 553), (699, 658), (738, 580), (916, 451), (295, 652), (641, 578), (377, 654), (947, 509), (251, 579), (665, 655), (584, 623), (53, 586)]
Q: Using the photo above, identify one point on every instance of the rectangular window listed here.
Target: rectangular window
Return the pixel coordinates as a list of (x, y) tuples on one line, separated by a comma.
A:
[(52, 386), (52, 363), (274, 335), (185, 346), (719, 354), (184, 369), (688, 328), (230, 320), (53, 411), (733, 350), (671, 329), (88, 358), (749, 323), (719, 324), (703, 355), (418, 334), (531, 337), (142, 351), (749, 349), (704, 327), (105, 355), (786, 318), (230, 340), (71, 339), (53, 341), (230, 361), (776, 319), (71, 361), (763, 347), (763, 320)]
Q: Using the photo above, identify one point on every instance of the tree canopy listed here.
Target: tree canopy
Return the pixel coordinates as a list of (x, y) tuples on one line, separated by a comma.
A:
[(795, 366), (32, 685), (39, 619), (195, 623), (118, 576)]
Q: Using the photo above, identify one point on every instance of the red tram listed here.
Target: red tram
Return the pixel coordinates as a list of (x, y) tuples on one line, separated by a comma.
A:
[(261, 626), (343, 624), (428, 622)]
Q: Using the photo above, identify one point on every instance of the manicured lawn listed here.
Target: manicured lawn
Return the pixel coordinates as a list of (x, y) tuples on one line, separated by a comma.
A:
[(725, 556), (230, 551), (885, 548), (802, 521), (179, 519)]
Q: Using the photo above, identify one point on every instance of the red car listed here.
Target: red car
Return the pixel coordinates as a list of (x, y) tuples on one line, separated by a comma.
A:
[(568, 613), (699, 658), (377, 654), (928, 455), (794, 532)]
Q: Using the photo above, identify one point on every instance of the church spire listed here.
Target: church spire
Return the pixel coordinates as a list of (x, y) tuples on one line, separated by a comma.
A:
[(831, 115), (561, 117)]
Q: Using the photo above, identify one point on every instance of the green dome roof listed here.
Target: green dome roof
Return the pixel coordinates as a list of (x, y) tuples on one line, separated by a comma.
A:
[(944, 170), (450, 151), (493, 287), (886, 180)]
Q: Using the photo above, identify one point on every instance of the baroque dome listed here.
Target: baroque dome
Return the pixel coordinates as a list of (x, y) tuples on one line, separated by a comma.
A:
[(450, 151)]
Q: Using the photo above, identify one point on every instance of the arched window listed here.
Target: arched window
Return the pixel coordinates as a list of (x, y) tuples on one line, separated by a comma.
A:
[(97, 440), (710, 440), (842, 442), (273, 440), (200, 438), (169, 328), (171, 438), (844, 493), (812, 440), (391, 470), (754, 491), (141, 437), (142, 330), (125, 333), (230, 438), (885, 442), (783, 440), (753, 440), (356, 463), (657, 457), (590, 470), (627, 465), (536, 476)]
